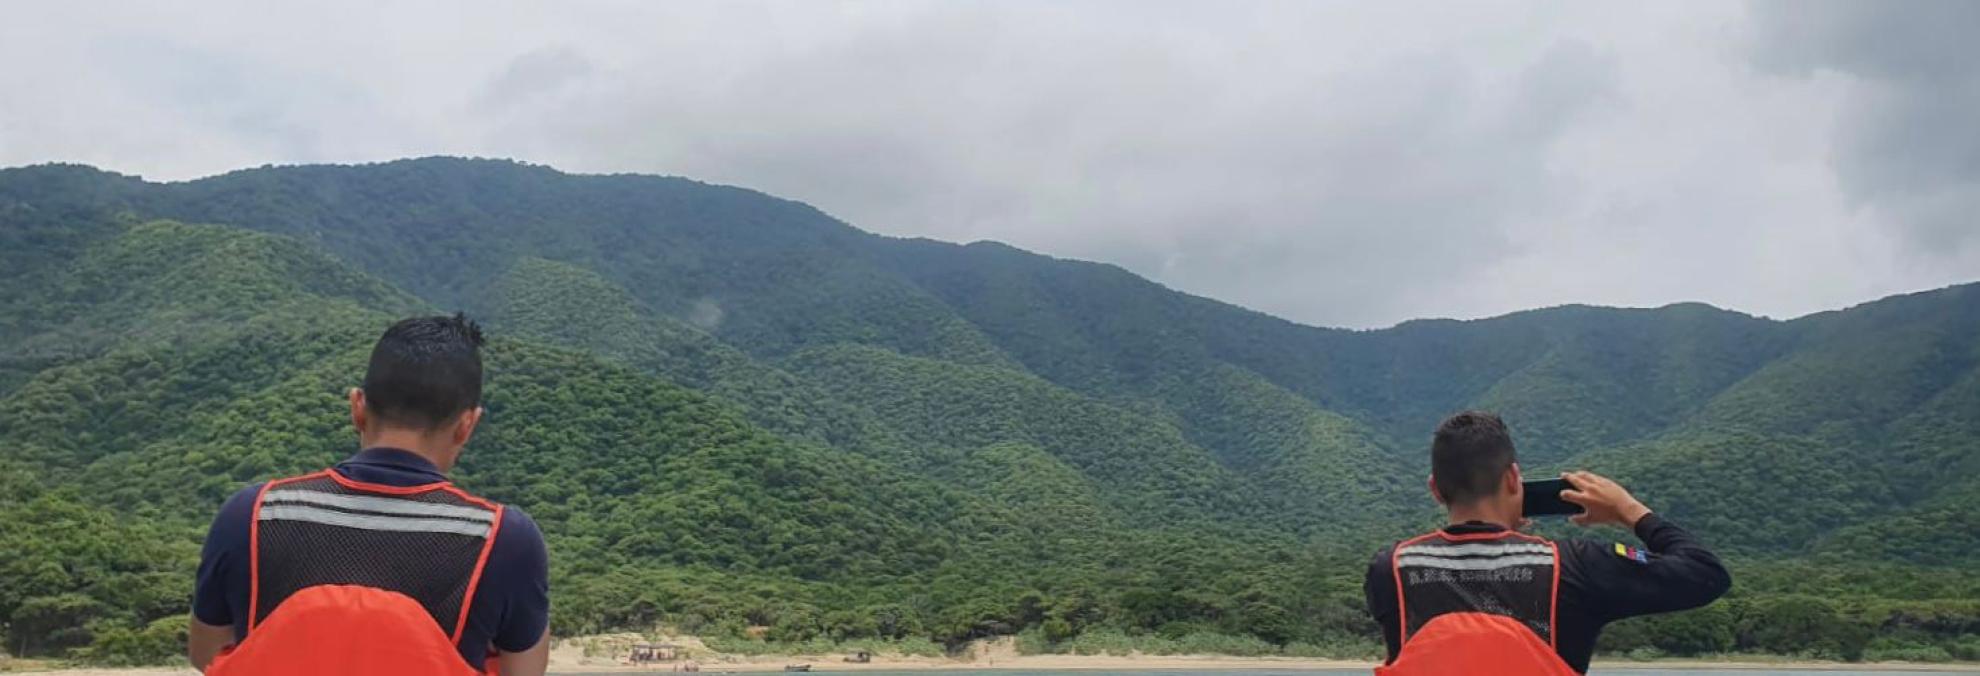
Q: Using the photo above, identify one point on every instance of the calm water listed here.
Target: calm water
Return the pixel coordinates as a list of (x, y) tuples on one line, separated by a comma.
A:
[(1328, 672)]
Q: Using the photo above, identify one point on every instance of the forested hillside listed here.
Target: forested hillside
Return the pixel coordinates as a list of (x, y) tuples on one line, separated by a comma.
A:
[(730, 410)]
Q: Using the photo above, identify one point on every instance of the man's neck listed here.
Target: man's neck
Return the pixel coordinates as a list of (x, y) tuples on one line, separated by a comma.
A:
[(416, 443), (1480, 514)]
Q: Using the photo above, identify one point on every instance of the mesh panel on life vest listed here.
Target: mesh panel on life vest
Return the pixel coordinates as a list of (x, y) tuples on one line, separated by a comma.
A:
[(316, 531), (1509, 575)]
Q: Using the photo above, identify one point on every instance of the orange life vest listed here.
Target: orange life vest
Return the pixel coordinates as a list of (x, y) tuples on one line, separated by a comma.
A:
[(1479, 603), (349, 577)]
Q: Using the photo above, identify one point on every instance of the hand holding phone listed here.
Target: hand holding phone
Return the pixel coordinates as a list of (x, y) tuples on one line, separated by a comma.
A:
[(1543, 498), (1606, 501)]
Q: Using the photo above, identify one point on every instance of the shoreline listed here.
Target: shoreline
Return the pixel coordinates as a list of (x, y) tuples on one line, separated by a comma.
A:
[(1186, 664), (1801, 665), (1177, 663), (604, 654)]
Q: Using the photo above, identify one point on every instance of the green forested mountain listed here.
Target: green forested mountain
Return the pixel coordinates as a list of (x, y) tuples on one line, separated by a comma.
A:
[(729, 410)]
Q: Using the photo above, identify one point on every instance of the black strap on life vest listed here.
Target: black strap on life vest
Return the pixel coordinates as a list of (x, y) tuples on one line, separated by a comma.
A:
[(1500, 573), (427, 542)]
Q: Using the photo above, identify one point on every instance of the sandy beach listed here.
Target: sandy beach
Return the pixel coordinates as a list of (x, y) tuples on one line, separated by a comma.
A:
[(1111, 663), (602, 654), (570, 657), (605, 654)]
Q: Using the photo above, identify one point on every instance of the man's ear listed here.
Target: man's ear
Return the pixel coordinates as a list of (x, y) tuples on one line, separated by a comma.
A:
[(1512, 481), (1434, 493), (464, 427), (357, 409)]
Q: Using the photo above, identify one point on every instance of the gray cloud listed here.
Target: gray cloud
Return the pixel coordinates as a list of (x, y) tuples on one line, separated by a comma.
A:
[(1906, 143), (536, 75), (1336, 164)]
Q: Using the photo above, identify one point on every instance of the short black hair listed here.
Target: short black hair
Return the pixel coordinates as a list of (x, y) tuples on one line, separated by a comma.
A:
[(424, 371), (1471, 451)]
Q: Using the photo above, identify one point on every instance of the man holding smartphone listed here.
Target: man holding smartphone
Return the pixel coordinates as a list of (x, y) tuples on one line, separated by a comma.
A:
[(1477, 596)]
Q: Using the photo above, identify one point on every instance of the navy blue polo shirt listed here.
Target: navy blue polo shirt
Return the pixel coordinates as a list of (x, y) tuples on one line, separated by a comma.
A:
[(511, 605)]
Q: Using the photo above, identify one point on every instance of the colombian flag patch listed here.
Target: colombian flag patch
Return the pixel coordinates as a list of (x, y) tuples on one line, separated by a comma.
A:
[(1631, 553)]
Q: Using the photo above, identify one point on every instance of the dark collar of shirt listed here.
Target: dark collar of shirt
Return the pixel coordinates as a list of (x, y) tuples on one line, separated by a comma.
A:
[(390, 466), (1470, 527)]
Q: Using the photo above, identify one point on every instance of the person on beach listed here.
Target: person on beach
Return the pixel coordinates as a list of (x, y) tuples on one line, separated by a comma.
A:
[(379, 565), (1479, 597)]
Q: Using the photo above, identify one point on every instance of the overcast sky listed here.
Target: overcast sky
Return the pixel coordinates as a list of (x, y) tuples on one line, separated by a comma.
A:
[(1337, 164)]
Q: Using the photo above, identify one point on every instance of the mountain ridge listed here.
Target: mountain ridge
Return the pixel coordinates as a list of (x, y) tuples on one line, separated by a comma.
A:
[(669, 353), (137, 179), (1575, 378)]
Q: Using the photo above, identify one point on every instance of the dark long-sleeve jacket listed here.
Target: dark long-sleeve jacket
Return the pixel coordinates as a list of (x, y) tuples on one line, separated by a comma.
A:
[(1601, 582)]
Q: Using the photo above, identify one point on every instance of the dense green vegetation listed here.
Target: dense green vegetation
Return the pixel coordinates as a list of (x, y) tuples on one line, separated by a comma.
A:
[(731, 411)]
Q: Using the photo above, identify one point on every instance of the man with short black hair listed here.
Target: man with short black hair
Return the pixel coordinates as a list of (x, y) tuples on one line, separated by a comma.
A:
[(379, 565), (1479, 597)]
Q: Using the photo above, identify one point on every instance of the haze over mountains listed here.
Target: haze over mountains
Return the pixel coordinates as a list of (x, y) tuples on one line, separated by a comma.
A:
[(729, 408)]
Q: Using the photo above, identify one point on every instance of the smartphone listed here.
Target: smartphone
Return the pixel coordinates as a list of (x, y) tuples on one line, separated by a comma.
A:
[(1543, 498)]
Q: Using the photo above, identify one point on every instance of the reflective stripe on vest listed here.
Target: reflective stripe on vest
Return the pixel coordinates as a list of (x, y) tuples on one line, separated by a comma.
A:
[(1503, 573), (426, 543)]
